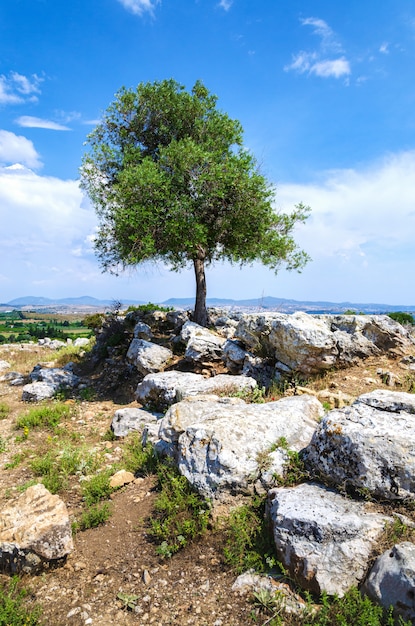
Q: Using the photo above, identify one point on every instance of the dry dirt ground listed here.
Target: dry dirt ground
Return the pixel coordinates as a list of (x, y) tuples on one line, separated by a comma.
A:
[(192, 587)]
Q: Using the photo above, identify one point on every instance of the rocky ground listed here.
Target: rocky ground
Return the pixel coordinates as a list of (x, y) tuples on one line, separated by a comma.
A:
[(116, 562)]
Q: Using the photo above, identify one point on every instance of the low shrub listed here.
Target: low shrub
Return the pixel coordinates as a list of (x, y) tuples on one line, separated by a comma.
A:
[(181, 514), (16, 606), (46, 416)]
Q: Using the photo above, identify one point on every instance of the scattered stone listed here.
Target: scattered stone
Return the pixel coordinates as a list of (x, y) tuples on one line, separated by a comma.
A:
[(4, 365), (121, 478)]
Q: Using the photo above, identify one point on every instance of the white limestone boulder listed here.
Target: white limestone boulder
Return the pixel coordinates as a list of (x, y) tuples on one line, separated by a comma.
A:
[(148, 357), (35, 392), (323, 539), (391, 581), (223, 444), (201, 344), (60, 378), (34, 531), (131, 419), (164, 388), (309, 344), (369, 445)]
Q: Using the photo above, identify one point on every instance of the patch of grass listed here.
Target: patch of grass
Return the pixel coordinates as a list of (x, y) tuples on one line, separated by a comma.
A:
[(181, 514), (294, 471), (139, 459), (72, 353), (93, 516), (15, 461), (3, 445), (47, 416), (248, 543), (4, 410), (16, 605), (352, 609), (149, 308), (97, 488)]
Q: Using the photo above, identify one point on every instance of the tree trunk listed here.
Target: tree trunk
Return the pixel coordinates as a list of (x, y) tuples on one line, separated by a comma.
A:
[(200, 315)]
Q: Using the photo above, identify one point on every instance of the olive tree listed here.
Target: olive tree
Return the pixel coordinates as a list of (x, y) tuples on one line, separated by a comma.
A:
[(171, 181)]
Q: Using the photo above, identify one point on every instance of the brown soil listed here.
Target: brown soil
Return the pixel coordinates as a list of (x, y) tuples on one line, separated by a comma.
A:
[(194, 586)]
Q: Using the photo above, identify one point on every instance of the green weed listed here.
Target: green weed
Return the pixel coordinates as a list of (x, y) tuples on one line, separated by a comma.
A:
[(16, 606), (294, 469), (93, 516), (97, 488), (181, 514), (248, 541), (139, 459), (46, 416), (4, 410)]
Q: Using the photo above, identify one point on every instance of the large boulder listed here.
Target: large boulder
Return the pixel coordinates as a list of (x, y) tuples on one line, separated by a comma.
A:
[(224, 446), (36, 392), (130, 419), (309, 344), (201, 344), (323, 539), (148, 357), (164, 388), (60, 378), (34, 532), (369, 445), (391, 581)]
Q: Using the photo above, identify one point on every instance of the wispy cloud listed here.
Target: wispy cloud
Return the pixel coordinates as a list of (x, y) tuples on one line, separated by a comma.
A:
[(225, 4), (17, 89), (27, 121), (139, 7), (320, 61), (16, 148), (384, 48)]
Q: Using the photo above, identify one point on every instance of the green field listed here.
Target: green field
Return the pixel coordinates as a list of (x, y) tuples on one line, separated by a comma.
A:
[(17, 327)]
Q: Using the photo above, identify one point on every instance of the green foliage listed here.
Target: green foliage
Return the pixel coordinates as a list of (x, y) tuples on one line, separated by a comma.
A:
[(46, 416), (55, 466), (3, 445), (149, 308), (352, 609), (248, 539), (94, 321), (170, 180), (93, 516), (4, 410), (129, 600), (402, 318), (294, 468), (139, 459), (180, 513), (16, 606), (97, 488)]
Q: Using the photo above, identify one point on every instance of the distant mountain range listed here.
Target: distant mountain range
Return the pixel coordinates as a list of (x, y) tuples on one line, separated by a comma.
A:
[(265, 303)]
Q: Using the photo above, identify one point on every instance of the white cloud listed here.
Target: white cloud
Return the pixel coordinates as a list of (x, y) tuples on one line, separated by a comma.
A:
[(27, 121), (18, 148), (360, 233), (316, 61), (138, 7), (335, 68), (225, 4), (17, 89), (384, 48)]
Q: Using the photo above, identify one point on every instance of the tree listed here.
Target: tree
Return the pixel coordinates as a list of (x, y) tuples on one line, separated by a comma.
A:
[(170, 181)]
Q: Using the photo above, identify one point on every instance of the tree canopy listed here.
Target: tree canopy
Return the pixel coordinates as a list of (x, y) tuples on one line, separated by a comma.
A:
[(171, 181)]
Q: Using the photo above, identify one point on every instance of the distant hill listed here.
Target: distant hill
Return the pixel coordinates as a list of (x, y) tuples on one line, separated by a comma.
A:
[(266, 303)]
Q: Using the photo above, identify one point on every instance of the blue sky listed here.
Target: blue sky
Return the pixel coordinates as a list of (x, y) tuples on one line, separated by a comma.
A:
[(325, 92)]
